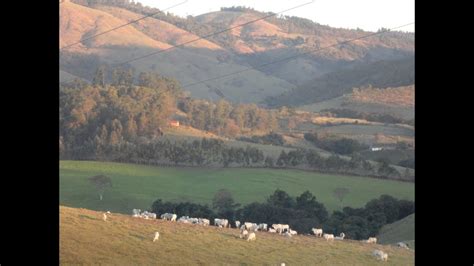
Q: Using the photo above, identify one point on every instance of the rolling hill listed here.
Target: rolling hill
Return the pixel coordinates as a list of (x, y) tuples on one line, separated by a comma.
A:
[(217, 55), (380, 74), (399, 231), (86, 239), (137, 186)]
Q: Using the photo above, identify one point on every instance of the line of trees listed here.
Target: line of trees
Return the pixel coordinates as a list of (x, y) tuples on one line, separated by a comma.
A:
[(214, 153), (374, 117), (343, 146), (301, 213)]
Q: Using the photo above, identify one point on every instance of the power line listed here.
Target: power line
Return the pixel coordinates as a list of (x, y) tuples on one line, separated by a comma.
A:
[(212, 34), (292, 57), (121, 26)]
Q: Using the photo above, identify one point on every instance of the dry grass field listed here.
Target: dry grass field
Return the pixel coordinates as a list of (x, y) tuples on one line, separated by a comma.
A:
[(123, 240)]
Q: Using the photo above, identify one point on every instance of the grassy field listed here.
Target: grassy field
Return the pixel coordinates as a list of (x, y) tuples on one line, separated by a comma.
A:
[(137, 186), (403, 230), (123, 240)]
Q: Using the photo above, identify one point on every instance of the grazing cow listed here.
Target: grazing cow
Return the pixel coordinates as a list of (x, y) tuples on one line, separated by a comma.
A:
[(372, 240), (293, 232), (136, 212), (380, 255), (169, 217), (280, 228), (157, 236), (271, 230), (243, 233), (204, 222), (184, 219), (328, 237), (402, 245), (248, 225), (221, 222), (318, 232), (242, 227), (251, 237), (262, 227), (104, 217), (237, 224), (254, 228), (340, 237)]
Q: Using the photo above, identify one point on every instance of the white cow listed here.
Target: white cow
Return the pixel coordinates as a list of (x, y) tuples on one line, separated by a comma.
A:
[(263, 227), (184, 219), (372, 240), (328, 237), (380, 255), (318, 232), (157, 236), (221, 222), (402, 245), (340, 237), (271, 230), (254, 228), (248, 225), (204, 222), (251, 237), (136, 212), (243, 233), (293, 232), (237, 224), (169, 216), (280, 228)]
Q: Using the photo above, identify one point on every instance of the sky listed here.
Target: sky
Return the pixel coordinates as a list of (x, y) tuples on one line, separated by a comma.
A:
[(369, 15)]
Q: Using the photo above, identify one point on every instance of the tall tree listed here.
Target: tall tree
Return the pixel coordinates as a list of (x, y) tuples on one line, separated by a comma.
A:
[(340, 193), (101, 183), (281, 199), (224, 203), (99, 77)]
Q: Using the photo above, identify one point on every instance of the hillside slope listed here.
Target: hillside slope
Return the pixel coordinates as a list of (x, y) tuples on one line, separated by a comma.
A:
[(123, 240), (188, 65), (403, 230), (380, 74), (221, 54)]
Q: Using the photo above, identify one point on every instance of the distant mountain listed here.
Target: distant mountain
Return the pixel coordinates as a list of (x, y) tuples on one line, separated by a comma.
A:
[(231, 51), (380, 74)]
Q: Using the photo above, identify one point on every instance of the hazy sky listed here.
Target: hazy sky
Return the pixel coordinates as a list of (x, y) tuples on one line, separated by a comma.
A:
[(366, 14)]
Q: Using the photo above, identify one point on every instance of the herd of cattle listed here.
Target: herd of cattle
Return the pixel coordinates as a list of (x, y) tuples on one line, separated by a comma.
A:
[(247, 229)]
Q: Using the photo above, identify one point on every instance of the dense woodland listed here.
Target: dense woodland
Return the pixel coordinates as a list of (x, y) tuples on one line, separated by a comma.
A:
[(301, 213), (123, 121)]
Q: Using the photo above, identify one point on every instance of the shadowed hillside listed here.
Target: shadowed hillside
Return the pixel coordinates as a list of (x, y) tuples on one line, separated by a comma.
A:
[(381, 74)]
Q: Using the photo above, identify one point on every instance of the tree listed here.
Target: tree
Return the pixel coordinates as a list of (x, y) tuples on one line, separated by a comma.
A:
[(101, 183), (224, 203), (281, 199), (99, 77), (308, 203), (340, 193)]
